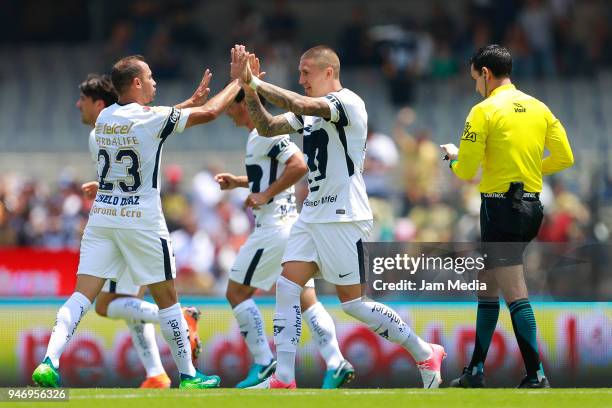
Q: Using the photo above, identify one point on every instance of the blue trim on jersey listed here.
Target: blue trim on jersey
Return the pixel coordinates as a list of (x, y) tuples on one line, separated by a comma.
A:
[(252, 266), (167, 130), (342, 116), (273, 171), (167, 264), (349, 162)]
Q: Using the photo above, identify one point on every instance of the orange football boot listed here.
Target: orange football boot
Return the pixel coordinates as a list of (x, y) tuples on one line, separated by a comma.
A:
[(192, 316), (159, 381)]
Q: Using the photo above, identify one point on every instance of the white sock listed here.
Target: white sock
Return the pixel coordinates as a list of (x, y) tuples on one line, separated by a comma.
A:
[(287, 327), (386, 323), (285, 366), (66, 322), (133, 308), (417, 347), (323, 330), (252, 329), (174, 329), (143, 339)]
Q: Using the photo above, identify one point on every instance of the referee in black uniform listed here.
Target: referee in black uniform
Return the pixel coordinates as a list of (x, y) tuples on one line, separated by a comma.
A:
[(506, 134)]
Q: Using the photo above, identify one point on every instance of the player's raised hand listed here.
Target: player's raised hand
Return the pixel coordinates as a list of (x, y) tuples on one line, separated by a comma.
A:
[(237, 65), (242, 64), (255, 66), (256, 200), (90, 189), (227, 181), (202, 91), (235, 68)]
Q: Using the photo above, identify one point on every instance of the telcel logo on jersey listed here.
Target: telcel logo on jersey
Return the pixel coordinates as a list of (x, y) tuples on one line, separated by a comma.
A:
[(113, 128), (323, 200)]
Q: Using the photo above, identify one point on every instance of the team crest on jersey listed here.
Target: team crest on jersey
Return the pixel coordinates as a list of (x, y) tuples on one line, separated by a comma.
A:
[(146, 108), (175, 115)]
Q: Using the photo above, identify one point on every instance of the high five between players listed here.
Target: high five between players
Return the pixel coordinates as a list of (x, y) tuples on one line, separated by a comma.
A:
[(327, 239)]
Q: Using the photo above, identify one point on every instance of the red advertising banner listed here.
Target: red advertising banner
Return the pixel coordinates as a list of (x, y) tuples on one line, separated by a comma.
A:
[(37, 272)]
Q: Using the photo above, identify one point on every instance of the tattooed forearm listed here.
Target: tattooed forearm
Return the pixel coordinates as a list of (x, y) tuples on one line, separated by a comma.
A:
[(294, 102), (266, 124)]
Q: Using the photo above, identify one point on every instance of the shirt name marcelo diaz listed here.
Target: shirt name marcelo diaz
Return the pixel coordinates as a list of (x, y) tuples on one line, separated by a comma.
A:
[(405, 262)]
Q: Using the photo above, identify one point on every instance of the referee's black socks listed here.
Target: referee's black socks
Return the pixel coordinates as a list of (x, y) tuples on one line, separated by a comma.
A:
[(524, 325), (486, 320)]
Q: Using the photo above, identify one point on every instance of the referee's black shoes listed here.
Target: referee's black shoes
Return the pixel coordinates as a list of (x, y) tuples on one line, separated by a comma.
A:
[(469, 380), (530, 383)]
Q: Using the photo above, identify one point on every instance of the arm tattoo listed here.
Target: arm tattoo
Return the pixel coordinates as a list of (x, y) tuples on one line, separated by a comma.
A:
[(266, 124), (294, 102)]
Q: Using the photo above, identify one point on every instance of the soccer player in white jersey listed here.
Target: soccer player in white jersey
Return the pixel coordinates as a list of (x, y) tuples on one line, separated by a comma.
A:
[(126, 230), (122, 299), (274, 165), (327, 240)]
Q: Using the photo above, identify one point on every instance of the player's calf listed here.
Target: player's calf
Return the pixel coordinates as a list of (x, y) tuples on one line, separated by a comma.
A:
[(385, 322)]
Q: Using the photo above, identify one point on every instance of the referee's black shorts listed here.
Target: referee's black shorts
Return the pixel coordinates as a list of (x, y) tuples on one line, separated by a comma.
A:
[(506, 229)]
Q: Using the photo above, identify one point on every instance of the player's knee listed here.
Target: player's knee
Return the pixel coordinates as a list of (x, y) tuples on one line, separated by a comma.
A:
[(101, 308), (237, 293), (308, 299), (233, 297)]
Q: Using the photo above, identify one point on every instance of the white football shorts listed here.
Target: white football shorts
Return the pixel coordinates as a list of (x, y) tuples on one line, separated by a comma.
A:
[(336, 248), (122, 285), (146, 256), (258, 263)]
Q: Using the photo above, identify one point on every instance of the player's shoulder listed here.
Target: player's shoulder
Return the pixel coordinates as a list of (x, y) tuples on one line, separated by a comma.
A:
[(346, 97), (108, 111), (145, 112), (136, 110), (264, 143)]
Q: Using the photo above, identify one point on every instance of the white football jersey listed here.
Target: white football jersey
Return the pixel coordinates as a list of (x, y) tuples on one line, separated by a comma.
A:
[(335, 153), (93, 146), (265, 162), (129, 140)]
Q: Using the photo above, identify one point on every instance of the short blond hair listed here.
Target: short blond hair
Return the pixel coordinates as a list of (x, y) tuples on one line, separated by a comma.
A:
[(324, 57)]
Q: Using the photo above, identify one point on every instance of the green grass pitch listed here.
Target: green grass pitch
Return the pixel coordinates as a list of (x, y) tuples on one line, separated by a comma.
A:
[(313, 398)]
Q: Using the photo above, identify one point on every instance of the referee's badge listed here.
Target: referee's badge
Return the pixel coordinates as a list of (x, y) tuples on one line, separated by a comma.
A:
[(467, 134)]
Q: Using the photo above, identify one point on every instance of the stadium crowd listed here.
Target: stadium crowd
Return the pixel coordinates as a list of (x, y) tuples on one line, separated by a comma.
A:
[(547, 36)]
